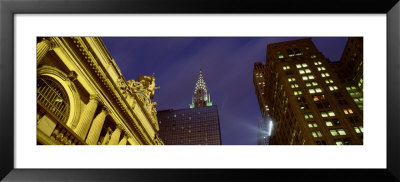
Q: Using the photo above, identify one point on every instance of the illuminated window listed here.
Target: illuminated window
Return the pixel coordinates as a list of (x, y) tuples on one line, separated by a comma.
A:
[(311, 91), (333, 88), (325, 74), (301, 72), (313, 56), (329, 81), (304, 65), (291, 79), (324, 114), (331, 113), (310, 125), (338, 142), (314, 83), (315, 125), (318, 90), (314, 134), (298, 65), (319, 133), (286, 67), (361, 128), (341, 132), (328, 123), (348, 111), (308, 116), (334, 132), (294, 85), (317, 63), (321, 68), (304, 77), (308, 84), (281, 56), (308, 71), (310, 77), (297, 92), (357, 129)]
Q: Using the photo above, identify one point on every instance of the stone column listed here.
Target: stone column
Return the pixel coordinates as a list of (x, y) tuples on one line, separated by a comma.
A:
[(123, 141), (107, 137), (86, 117), (97, 125), (115, 136), (42, 48)]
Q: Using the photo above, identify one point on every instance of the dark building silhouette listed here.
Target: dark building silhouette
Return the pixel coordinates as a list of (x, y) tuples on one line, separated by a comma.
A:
[(197, 125), (306, 100)]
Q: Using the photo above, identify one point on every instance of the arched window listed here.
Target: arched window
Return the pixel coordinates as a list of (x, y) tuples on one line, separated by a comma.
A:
[(53, 98)]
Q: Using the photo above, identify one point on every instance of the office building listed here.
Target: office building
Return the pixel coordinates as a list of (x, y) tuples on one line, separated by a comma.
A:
[(197, 125), (306, 100)]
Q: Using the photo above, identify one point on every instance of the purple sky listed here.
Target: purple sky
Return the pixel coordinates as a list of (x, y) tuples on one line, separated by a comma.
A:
[(227, 64)]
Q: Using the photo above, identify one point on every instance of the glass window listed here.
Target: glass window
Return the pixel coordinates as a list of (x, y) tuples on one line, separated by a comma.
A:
[(331, 113), (338, 142), (314, 134), (361, 128), (308, 71), (310, 125), (319, 133), (304, 77), (315, 125), (310, 77), (333, 132), (314, 83), (304, 65), (281, 56), (318, 90), (328, 123), (311, 91), (357, 129), (324, 114), (301, 72), (298, 65), (308, 84), (341, 132)]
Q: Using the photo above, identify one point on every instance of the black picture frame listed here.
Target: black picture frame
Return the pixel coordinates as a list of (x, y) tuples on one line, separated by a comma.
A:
[(9, 8)]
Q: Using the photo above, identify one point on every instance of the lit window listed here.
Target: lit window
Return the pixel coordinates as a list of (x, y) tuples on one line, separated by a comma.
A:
[(297, 92), (281, 56), (304, 65), (329, 81), (328, 123), (314, 83), (361, 128), (331, 113), (294, 85), (341, 132), (325, 74), (310, 77), (315, 125), (310, 125), (301, 72), (317, 63), (334, 132), (304, 77), (338, 142), (311, 91), (298, 65), (286, 67), (313, 56), (348, 111), (314, 134), (319, 133), (318, 90), (348, 88), (308, 116), (324, 114), (321, 68), (357, 129), (308, 84), (308, 71), (291, 79), (333, 88)]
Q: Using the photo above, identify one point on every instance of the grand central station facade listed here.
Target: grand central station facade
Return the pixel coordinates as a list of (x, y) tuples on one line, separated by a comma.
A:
[(83, 99)]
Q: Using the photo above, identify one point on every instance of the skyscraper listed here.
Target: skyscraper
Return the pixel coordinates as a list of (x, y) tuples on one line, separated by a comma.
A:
[(197, 125), (307, 102)]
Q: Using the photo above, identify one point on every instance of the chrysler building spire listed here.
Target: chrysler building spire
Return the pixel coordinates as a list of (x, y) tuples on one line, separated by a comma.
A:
[(201, 96)]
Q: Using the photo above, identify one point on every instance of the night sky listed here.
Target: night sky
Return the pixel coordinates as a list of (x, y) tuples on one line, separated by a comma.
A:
[(227, 64)]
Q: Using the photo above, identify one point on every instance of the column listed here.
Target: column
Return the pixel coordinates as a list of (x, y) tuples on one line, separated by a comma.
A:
[(123, 141), (86, 117), (115, 136), (95, 129), (42, 48), (107, 137)]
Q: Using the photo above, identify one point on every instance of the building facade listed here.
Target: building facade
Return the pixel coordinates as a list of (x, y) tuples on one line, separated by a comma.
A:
[(83, 99), (197, 125), (307, 102), (350, 69), (259, 81)]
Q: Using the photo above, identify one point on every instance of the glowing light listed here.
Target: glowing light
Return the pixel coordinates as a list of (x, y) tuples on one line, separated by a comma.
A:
[(270, 127)]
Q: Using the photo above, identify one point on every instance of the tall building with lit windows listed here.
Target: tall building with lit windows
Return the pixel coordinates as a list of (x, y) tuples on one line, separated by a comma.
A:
[(307, 102), (197, 125), (350, 69), (259, 85)]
